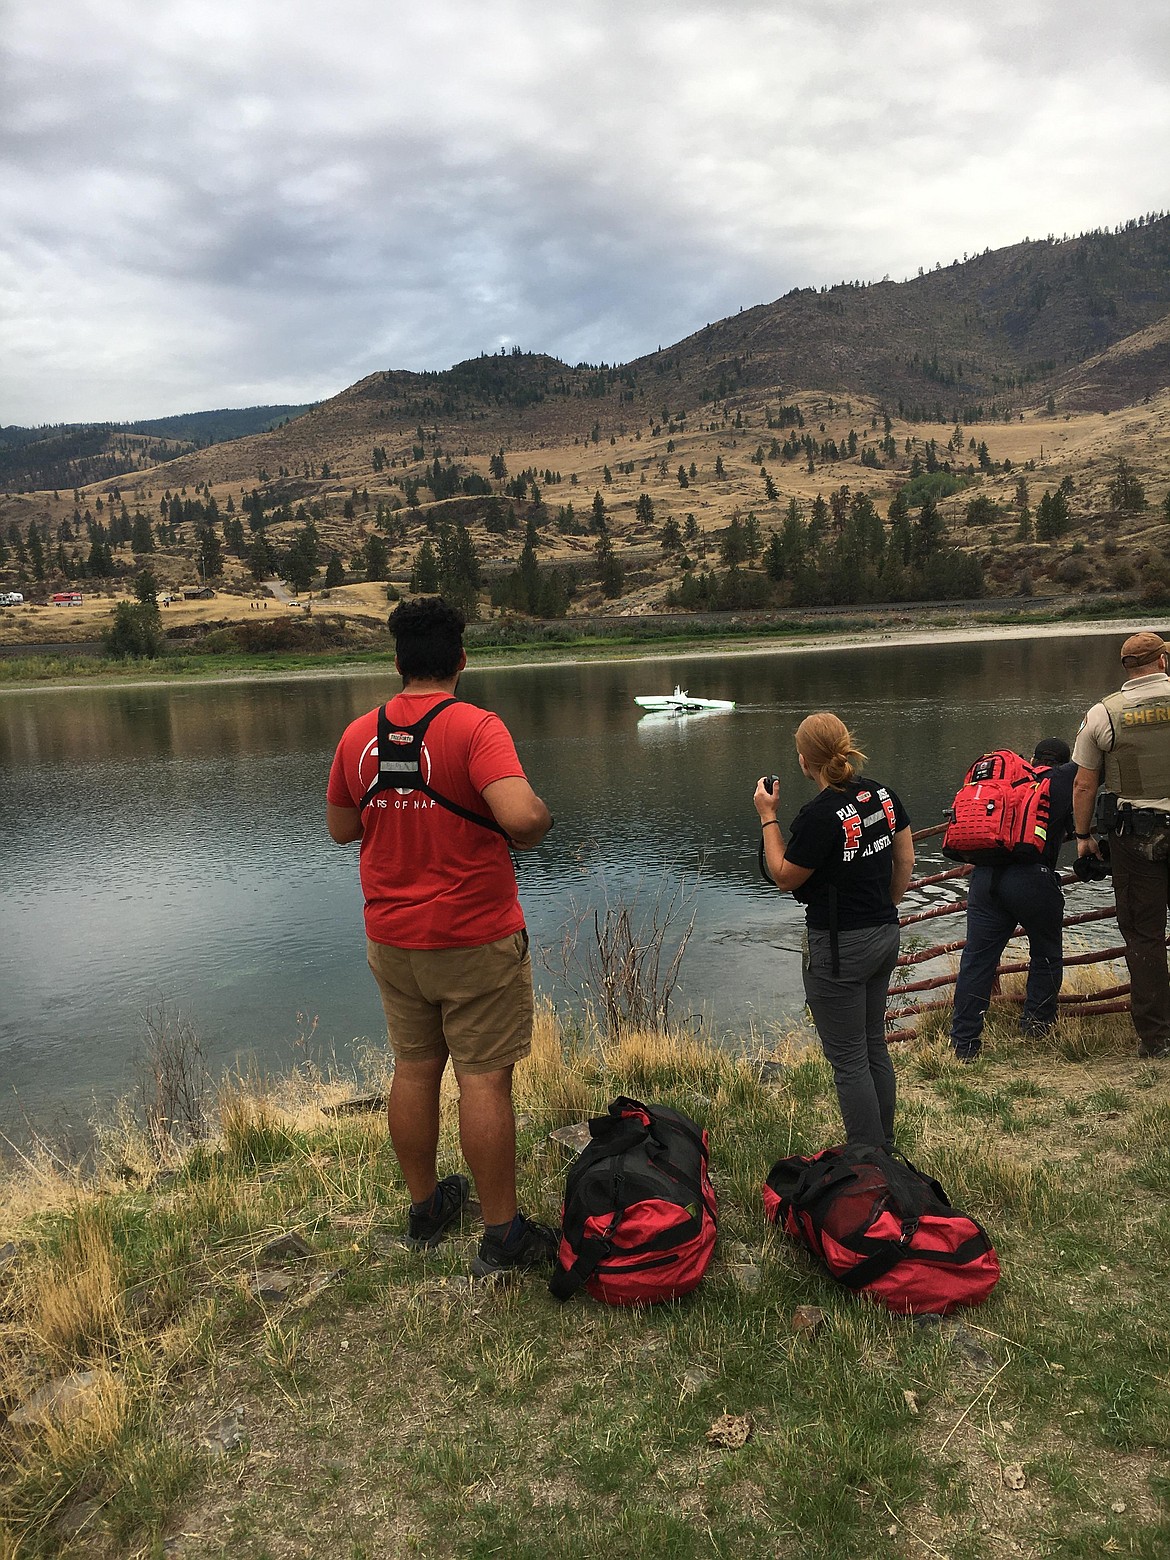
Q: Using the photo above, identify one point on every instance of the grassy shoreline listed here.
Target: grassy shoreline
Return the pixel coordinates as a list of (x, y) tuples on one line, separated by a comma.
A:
[(384, 1407), (22, 674)]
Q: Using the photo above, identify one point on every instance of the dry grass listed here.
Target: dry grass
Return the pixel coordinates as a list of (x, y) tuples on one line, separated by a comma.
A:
[(76, 1310), (348, 1393)]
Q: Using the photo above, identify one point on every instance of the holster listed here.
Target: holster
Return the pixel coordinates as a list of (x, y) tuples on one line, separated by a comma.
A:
[(1105, 813)]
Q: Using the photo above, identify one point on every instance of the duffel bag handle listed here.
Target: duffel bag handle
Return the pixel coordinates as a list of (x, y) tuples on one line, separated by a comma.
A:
[(627, 1124), (565, 1282)]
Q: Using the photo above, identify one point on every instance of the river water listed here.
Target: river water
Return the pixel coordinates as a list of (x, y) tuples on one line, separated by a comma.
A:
[(167, 845)]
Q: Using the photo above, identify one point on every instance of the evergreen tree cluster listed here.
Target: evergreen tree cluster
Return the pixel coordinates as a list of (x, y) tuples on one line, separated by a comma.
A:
[(448, 565), (842, 554)]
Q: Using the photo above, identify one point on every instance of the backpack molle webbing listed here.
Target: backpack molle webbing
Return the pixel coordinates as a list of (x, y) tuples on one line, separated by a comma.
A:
[(400, 750), (1000, 812)]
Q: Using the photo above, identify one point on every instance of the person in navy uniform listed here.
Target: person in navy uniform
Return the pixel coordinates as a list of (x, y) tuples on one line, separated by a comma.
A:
[(1025, 893)]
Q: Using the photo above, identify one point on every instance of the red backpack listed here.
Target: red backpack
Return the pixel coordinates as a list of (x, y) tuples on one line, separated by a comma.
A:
[(882, 1228), (1000, 812), (638, 1224)]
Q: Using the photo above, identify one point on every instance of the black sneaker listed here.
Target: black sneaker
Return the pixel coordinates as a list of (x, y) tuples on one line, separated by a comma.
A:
[(1036, 1029), (1154, 1053), (969, 1056), (535, 1246), (424, 1230)]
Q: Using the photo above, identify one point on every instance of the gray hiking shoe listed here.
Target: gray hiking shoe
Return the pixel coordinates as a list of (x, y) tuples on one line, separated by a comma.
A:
[(535, 1246)]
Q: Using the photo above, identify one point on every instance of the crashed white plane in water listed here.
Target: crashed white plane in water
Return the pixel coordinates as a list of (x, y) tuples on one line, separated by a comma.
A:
[(679, 703)]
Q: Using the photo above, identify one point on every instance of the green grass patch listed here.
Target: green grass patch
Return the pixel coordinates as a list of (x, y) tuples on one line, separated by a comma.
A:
[(386, 1403)]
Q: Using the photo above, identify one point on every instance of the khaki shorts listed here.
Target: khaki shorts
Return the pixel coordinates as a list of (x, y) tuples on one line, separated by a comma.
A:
[(472, 1004)]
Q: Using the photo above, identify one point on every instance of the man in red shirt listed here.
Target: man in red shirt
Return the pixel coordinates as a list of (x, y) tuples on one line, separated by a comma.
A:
[(436, 810)]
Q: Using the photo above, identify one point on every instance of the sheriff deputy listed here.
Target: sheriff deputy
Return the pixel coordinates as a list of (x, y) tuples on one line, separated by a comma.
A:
[(1122, 751)]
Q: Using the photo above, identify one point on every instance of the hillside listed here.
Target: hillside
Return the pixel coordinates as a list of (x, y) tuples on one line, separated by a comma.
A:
[(1016, 400), (76, 454)]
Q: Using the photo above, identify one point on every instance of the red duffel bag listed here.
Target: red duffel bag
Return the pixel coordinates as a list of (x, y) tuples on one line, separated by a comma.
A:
[(638, 1223), (882, 1228)]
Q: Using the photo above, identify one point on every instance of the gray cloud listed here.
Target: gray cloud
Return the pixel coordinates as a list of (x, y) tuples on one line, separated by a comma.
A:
[(221, 203)]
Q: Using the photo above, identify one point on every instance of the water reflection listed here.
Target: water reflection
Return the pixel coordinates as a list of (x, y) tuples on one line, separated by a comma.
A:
[(169, 843)]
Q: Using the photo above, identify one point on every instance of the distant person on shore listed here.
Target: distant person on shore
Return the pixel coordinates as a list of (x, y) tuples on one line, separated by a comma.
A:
[(1123, 749), (1025, 893), (848, 860), (433, 789)]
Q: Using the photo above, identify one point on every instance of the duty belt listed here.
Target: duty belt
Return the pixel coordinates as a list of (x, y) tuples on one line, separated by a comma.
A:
[(1140, 821)]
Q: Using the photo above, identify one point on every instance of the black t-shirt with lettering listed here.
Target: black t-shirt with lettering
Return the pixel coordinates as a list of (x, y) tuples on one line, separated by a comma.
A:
[(846, 836)]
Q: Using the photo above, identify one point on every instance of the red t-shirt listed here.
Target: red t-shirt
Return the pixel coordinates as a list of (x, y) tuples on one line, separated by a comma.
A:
[(430, 878)]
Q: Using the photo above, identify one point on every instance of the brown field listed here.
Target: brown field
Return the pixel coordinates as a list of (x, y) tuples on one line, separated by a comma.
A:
[(1044, 449)]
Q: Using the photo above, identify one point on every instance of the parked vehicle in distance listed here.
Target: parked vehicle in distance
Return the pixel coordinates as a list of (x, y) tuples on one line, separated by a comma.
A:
[(67, 598), (11, 598)]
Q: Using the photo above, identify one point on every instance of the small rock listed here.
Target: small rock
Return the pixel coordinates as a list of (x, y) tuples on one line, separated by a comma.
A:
[(524, 1119), (731, 1431), (910, 1398), (271, 1284), (573, 1138), (694, 1380), (1117, 1507), (227, 1433), (286, 1248), (961, 1339), (7, 1255), (449, 1284), (808, 1318), (746, 1275), (965, 1343), (772, 1072), (1056, 1370), (320, 1281), (1013, 1476), (355, 1105), (56, 1402)]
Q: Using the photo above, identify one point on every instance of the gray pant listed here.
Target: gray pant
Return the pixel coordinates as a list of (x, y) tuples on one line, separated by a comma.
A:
[(849, 1010)]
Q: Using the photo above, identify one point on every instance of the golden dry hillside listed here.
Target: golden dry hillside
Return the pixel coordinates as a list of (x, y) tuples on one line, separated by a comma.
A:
[(706, 476)]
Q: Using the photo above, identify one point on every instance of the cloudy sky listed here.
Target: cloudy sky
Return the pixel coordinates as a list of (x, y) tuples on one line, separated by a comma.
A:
[(209, 203)]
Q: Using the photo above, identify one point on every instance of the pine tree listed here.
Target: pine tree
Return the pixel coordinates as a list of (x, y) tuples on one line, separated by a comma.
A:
[(928, 531), (610, 571), (377, 559), (424, 577), (210, 553)]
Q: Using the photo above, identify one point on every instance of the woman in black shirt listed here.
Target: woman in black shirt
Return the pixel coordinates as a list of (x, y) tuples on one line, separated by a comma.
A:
[(848, 860)]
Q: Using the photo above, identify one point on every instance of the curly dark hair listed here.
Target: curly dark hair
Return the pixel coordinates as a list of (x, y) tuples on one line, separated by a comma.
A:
[(428, 638)]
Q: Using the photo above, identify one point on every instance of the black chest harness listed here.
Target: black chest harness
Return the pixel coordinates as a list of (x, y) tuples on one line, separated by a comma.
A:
[(400, 750)]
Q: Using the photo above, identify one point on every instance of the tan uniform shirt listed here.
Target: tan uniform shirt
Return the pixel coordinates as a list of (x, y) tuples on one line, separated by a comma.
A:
[(1095, 737)]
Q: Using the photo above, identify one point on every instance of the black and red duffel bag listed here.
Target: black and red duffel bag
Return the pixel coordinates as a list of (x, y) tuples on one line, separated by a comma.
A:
[(882, 1228), (638, 1224)]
